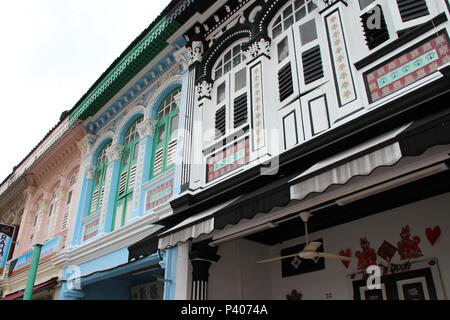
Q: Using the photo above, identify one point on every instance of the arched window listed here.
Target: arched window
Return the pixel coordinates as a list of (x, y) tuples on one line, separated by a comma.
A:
[(127, 175), (36, 223), (98, 190), (48, 233), (297, 33), (230, 91), (166, 134), (68, 203)]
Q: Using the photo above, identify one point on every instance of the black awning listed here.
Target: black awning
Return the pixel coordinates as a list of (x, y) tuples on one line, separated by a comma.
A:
[(426, 133), (145, 247), (262, 200)]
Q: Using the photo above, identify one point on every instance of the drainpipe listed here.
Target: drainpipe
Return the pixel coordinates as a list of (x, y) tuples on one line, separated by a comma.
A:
[(32, 273)]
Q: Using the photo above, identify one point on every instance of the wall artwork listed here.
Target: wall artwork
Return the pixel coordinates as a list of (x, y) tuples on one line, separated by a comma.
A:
[(295, 295), (433, 234), (367, 256), (408, 248), (296, 266), (387, 251), (346, 253)]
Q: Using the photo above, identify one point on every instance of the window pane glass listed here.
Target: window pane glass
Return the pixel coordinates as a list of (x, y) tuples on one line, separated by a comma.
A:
[(283, 49), (308, 32), (136, 151), (288, 22), (236, 50), (227, 67), (97, 177), (240, 80), (277, 30), (300, 14), (161, 133), (228, 56), (311, 6), (287, 11), (126, 157), (221, 93), (236, 60), (174, 125), (298, 4), (278, 20), (218, 74)]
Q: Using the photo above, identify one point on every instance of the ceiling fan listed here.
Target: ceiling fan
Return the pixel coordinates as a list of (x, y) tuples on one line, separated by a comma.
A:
[(310, 250)]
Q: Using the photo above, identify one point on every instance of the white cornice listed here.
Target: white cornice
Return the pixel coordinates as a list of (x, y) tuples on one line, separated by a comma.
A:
[(111, 242)]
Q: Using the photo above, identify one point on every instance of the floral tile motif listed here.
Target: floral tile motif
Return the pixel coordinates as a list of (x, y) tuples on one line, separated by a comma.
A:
[(408, 68), (342, 71), (159, 195), (228, 160), (257, 108)]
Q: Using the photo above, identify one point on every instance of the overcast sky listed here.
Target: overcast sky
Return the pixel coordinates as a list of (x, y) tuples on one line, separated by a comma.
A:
[(52, 51)]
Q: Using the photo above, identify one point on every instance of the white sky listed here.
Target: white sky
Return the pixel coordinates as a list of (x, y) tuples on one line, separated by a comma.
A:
[(52, 51)]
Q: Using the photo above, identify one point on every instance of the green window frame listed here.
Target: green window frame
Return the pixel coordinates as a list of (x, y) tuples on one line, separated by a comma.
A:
[(127, 176), (166, 135), (98, 189)]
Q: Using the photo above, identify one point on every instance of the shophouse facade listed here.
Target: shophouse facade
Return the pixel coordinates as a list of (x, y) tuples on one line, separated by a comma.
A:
[(44, 193), (225, 120)]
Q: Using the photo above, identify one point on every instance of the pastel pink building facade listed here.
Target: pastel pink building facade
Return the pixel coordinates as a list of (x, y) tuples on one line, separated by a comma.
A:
[(52, 172)]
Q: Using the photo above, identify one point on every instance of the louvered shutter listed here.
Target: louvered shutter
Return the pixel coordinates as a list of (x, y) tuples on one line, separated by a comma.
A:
[(412, 9), (171, 152), (158, 163), (312, 65), (65, 218), (240, 110), (220, 122), (285, 84), (374, 36)]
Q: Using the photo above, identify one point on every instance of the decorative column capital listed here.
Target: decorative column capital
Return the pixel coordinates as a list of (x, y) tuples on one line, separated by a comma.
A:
[(204, 90), (195, 52), (114, 153), (146, 129), (90, 172), (259, 47)]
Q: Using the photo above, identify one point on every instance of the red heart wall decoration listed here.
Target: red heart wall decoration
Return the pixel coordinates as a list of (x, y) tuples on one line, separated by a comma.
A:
[(433, 234), (346, 253)]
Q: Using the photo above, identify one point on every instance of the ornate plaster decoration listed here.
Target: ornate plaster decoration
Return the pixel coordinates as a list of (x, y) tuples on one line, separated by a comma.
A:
[(259, 48), (183, 58), (114, 153), (204, 90), (146, 129), (195, 52), (90, 172)]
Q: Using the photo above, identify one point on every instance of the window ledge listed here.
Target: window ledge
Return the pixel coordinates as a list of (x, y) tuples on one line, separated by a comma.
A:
[(92, 216), (159, 178)]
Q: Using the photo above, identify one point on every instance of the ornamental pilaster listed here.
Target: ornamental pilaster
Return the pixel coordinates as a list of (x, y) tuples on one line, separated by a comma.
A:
[(146, 129)]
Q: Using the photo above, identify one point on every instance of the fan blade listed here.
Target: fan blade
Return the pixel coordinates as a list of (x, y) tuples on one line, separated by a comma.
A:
[(312, 246), (279, 258), (333, 256)]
